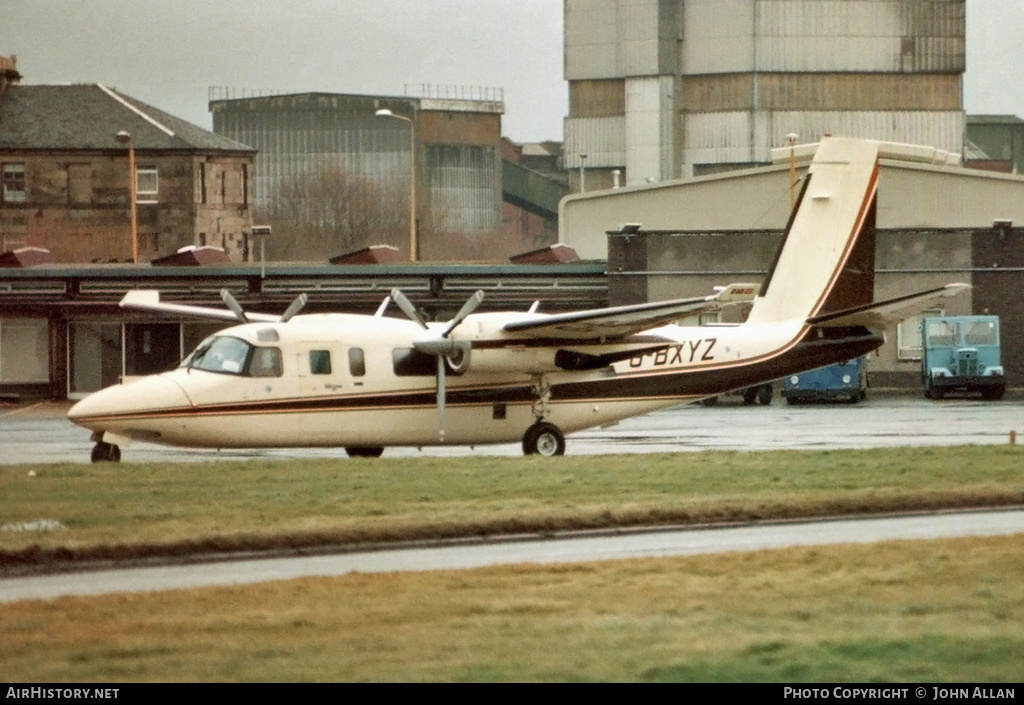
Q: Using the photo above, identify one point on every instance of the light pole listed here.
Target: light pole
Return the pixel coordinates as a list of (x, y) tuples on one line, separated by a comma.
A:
[(791, 138), (125, 138), (413, 244)]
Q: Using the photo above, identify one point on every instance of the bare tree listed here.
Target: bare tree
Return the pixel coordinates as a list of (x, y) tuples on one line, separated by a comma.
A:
[(319, 215)]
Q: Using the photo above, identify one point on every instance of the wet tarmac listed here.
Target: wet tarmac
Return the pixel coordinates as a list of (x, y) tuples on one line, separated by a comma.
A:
[(40, 433)]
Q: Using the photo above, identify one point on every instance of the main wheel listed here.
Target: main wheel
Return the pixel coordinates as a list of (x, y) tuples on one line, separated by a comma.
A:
[(764, 394), (361, 452), (105, 453), (545, 439)]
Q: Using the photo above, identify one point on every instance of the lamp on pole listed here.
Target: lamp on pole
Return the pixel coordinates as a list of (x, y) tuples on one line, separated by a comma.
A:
[(792, 138), (125, 138), (413, 244)]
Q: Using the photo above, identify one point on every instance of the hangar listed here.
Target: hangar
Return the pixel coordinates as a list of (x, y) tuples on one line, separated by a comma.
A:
[(937, 223)]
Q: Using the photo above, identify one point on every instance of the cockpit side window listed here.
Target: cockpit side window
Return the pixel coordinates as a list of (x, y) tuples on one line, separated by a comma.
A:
[(228, 355), (266, 362)]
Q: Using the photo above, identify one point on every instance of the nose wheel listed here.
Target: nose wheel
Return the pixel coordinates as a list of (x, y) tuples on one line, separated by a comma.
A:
[(545, 439), (105, 453)]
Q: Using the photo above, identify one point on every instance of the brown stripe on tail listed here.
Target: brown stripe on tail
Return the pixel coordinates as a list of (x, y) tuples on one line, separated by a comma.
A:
[(855, 285)]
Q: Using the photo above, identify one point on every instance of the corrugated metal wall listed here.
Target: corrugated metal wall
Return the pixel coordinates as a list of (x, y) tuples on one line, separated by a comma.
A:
[(728, 36), (748, 72), (296, 141), (602, 139), (726, 137), (615, 38), (310, 133)]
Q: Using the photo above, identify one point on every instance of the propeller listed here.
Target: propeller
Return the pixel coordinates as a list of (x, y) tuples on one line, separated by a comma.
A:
[(439, 343), (294, 307), (232, 303), (236, 308)]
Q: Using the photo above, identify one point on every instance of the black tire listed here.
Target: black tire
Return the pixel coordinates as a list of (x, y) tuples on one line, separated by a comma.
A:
[(105, 453), (993, 393), (361, 452), (764, 394), (750, 395), (545, 439), (710, 401)]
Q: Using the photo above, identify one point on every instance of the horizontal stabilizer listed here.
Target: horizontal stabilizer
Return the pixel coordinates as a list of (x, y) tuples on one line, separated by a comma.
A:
[(885, 314), (149, 300)]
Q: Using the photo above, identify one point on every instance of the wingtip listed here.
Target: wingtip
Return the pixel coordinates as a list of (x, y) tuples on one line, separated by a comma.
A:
[(140, 297)]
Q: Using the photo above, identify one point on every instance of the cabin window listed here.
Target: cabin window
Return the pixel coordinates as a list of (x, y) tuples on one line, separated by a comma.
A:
[(410, 362), (320, 362), (356, 362)]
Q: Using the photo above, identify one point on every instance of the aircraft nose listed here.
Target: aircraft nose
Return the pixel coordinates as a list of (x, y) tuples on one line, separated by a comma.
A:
[(124, 401)]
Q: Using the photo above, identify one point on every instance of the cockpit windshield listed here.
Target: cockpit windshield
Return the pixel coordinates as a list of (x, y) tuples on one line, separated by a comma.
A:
[(228, 355)]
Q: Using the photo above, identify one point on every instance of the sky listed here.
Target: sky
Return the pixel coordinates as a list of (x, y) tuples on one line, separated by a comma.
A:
[(169, 52)]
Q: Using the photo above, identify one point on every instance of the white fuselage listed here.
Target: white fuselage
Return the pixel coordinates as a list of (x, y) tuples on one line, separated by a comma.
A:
[(356, 398)]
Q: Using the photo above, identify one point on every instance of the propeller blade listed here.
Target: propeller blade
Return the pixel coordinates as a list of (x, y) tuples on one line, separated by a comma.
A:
[(406, 305), (442, 394), (232, 303), (295, 307), (467, 308)]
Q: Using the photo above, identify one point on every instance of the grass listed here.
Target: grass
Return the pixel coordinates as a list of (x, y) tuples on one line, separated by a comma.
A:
[(924, 611), (123, 510)]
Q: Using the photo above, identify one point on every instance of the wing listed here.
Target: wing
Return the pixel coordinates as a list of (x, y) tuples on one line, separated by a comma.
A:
[(885, 314), (149, 300), (622, 321)]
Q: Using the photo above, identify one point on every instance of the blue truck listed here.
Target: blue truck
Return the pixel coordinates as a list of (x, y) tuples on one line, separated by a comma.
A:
[(845, 381), (960, 354)]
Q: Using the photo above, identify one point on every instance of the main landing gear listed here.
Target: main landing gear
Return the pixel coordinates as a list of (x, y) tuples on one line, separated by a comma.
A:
[(105, 453), (362, 452), (543, 438)]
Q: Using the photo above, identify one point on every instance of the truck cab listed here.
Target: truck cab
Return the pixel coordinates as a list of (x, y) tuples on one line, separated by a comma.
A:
[(960, 354)]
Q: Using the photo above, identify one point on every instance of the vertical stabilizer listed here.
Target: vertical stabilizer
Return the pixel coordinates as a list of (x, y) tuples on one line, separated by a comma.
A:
[(827, 258)]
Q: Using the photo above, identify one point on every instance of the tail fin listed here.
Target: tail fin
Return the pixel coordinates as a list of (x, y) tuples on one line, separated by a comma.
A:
[(826, 262)]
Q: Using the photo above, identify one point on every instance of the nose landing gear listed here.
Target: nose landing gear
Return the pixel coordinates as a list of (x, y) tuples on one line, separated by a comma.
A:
[(105, 453)]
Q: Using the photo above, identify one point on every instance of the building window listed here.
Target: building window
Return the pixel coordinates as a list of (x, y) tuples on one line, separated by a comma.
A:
[(12, 186), (202, 182), (79, 184), (146, 183), (908, 334), (24, 350), (245, 184)]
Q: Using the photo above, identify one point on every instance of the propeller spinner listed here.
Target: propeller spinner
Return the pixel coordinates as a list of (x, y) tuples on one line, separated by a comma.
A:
[(439, 343)]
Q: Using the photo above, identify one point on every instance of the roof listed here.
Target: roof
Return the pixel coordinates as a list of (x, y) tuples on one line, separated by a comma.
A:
[(89, 116), (993, 120)]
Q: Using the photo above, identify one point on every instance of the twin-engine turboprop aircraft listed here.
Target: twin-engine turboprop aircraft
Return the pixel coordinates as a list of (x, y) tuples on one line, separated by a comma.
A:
[(367, 382)]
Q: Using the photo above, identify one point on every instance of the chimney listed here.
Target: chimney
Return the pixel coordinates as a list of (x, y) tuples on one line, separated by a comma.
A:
[(8, 71)]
